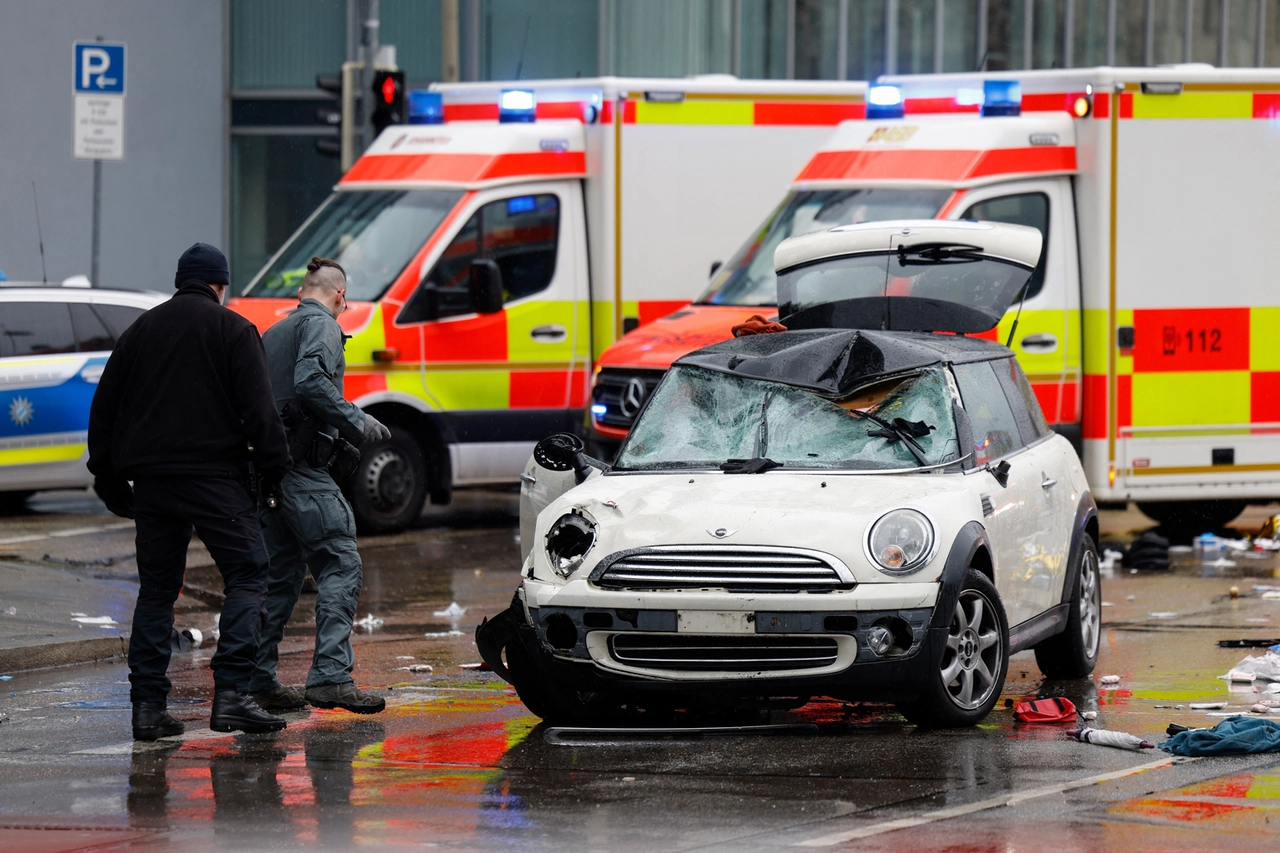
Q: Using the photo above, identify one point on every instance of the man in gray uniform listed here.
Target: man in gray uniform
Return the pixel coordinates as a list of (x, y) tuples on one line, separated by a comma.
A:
[(313, 525)]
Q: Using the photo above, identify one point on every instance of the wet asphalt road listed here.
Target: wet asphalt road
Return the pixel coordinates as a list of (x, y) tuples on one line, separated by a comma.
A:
[(457, 762)]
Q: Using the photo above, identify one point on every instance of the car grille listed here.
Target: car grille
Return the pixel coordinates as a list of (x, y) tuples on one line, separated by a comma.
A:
[(724, 654), (623, 404), (737, 569)]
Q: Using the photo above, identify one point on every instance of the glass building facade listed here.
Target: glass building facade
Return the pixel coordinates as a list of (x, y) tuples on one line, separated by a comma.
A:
[(279, 46)]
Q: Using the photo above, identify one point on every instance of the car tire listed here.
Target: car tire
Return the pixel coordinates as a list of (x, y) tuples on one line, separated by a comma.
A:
[(1074, 652), (12, 503), (1192, 516), (389, 487), (967, 675)]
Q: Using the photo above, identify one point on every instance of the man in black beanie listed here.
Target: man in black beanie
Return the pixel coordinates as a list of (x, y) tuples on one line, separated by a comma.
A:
[(184, 410)]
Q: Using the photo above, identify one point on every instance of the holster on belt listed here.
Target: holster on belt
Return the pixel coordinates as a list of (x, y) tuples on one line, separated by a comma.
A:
[(310, 443), (301, 429), (346, 458)]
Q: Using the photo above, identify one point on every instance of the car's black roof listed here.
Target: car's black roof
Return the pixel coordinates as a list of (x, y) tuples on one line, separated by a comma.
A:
[(836, 362)]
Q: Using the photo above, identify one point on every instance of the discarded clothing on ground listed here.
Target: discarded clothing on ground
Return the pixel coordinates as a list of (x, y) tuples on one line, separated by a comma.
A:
[(1054, 710), (1148, 551), (1232, 736)]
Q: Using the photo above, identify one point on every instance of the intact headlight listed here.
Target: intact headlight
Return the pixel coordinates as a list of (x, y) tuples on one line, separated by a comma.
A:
[(901, 541), (569, 541)]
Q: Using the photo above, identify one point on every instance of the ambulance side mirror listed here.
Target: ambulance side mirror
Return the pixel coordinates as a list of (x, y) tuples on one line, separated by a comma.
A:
[(485, 284)]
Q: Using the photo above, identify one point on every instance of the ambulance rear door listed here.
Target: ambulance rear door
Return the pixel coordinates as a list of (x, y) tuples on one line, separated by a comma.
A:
[(1047, 337)]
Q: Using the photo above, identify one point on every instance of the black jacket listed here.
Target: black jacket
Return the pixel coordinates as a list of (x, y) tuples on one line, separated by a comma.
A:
[(185, 393)]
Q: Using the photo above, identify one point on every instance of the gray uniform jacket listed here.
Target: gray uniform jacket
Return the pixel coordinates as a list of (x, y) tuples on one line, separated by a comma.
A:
[(306, 363)]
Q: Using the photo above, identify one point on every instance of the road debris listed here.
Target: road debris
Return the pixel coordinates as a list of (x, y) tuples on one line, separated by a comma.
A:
[(369, 622), (1264, 667), (1235, 735), (453, 611), (1053, 710), (1088, 715), (86, 619), (1247, 643), (1103, 737), (1207, 706), (1109, 679), (417, 667), (1163, 614)]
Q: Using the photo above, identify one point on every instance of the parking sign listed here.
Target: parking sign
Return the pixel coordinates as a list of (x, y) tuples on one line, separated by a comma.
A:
[(99, 68)]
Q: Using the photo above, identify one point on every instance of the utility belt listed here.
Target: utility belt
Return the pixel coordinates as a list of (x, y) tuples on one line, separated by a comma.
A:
[(308, 442)]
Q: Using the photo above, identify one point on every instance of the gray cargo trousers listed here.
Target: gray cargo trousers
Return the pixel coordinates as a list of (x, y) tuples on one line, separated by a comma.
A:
[(313, 528)]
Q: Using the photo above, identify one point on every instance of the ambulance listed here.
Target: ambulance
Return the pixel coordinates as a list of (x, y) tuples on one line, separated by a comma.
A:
[(495, 247), (1151, 331)]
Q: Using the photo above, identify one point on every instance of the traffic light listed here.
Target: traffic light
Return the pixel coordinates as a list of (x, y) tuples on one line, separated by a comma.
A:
[(388, 100), (330, 114)]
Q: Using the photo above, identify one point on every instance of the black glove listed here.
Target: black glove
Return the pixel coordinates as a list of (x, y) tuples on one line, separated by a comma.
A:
[(374, 430), (116, 493)]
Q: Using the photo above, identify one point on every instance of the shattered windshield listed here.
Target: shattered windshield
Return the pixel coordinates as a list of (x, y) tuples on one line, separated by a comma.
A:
[(373, 234), (702, 418), (748, 278)]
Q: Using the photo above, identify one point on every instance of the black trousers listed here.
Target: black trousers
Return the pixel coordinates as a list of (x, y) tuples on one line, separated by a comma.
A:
[(223, 513)]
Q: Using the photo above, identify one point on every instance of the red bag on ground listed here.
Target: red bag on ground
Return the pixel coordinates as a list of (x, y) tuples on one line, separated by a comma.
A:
[(1055, 710)]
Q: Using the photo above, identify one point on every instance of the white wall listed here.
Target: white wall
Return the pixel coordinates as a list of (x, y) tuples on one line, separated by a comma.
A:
[(167, 193)]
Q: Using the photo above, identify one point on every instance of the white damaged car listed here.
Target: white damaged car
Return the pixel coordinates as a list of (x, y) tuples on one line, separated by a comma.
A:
[(858, 507)]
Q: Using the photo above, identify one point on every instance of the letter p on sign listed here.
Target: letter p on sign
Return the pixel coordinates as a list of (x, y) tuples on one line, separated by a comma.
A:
[(99, 68)]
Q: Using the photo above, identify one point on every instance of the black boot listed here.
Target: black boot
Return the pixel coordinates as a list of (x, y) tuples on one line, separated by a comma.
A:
[(151, 721), (234, 711)]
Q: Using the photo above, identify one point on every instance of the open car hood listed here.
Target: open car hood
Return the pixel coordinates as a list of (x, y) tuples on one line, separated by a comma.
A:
[(923, 275)]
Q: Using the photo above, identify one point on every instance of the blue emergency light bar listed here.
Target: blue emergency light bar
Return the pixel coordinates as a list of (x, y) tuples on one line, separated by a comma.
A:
[(884, 102), (426, 107), (517, 105), (1001, 98)]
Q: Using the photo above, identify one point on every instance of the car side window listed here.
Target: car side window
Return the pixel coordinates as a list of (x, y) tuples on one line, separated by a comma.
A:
[(994, 428), (117, 317), (1026, 408), (91, 334), (520, 234), (36, 328), (1022, 209)]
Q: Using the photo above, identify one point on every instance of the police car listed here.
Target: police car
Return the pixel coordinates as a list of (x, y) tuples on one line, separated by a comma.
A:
[(858, 507), (54, 343)]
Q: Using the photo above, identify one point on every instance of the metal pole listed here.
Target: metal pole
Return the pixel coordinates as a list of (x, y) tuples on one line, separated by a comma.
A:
[(1068, 33), (1260, 47), (1188, 18), (473, 40), (984, 7), (1224, 7), (1111, 33), (842, 37), (791, 39), (735, 27), (1028, 33), (449, 67), (1148, 35), (97, 223), (371, 24), (602, 37), (939, 19), (890, 36)]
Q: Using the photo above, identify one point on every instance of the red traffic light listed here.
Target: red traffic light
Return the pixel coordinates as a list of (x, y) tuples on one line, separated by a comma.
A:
[(389, 87)]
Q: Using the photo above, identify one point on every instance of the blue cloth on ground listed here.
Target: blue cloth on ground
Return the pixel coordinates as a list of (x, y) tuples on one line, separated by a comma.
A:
[(1232, 736)]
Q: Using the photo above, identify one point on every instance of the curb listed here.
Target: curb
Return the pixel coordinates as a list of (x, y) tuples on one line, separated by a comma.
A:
[(47, 655)]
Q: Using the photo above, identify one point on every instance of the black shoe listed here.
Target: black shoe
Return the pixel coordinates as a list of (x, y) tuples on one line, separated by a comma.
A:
[(346, 696), (234, 712), (281, 698), (151, 721)]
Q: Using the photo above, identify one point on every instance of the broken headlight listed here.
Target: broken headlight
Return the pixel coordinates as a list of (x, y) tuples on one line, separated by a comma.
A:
[(901, 541), (569, 541)]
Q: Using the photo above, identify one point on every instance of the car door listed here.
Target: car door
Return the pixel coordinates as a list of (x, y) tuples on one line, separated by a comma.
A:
[(1013, 512), (1047, 338), (505, 380)]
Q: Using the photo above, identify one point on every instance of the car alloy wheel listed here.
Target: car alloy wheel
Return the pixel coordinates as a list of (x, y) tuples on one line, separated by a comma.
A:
[(972, 660), (1090, 604)]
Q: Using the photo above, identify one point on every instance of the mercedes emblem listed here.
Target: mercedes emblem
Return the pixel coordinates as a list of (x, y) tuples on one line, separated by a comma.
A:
[(632, 397)]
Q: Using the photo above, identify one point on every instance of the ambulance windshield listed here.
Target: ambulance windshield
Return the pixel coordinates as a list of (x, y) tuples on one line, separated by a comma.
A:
[(372, 233), (748, 277)]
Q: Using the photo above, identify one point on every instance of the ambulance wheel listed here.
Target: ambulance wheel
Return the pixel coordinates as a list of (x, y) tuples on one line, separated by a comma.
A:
[(1192, 516), (1073, 653), (13, 502), (389, 488), (967, 678)]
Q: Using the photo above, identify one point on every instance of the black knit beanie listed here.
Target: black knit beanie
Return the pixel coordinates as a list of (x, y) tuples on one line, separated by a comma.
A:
[(202, 262)]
